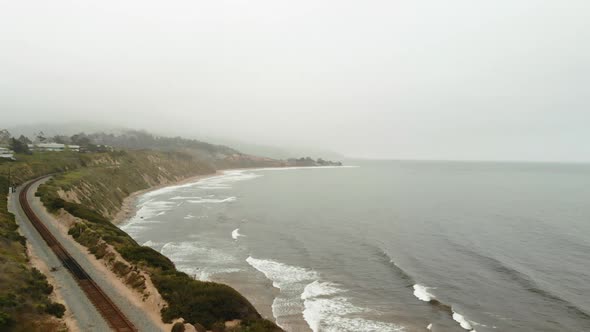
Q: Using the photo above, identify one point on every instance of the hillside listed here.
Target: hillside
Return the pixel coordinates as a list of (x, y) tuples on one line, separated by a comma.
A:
[(95, 193), (92, 186), (24, 292), (216, 156)]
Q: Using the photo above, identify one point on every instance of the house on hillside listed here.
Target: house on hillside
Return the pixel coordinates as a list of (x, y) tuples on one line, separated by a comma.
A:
[(6, 153), (56, 147)]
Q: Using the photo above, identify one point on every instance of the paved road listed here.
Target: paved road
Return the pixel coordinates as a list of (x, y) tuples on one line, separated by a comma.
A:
[(87, 317), (84, 313)]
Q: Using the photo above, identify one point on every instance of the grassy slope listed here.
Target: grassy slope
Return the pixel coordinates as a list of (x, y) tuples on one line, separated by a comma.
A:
[(95, 194), (24, 291), (103, 186)]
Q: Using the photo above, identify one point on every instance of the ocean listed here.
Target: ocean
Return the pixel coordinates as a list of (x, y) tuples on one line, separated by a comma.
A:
[(388, 245)]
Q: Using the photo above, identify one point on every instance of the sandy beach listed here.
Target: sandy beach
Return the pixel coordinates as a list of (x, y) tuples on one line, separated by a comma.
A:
[(262, 299), (129, 206)]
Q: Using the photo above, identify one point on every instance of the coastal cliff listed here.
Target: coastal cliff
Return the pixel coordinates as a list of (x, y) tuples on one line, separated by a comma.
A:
[(27, 300), (90, 196), (86, 193)]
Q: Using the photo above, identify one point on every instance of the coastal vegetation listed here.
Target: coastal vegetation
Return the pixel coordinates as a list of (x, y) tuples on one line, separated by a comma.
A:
[(310, 162), (94, 194), (90, 187), (25, 303)]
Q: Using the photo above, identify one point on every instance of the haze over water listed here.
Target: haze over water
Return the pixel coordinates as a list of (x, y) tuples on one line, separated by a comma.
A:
[(492, 246)]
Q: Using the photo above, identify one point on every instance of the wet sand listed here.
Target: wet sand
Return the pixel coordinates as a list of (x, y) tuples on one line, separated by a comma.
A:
[(129, 206)]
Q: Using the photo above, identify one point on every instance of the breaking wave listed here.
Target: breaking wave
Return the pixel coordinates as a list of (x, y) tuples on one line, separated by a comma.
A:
[(236, 233), (185, 197), (225, 180), (462, 321), (326, 312), (525, 281), (212, 200), (290, 280), (400, 273), (322, 304), (146, 211), (199, 262), (423, 293)]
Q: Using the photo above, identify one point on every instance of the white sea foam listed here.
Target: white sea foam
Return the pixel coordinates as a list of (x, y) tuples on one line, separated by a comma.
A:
[(429, 327), (326, 312), (190, 251), (206, 273), (147, 210), (224, 181), (169, 189), (324, 307), (236, 233), (422, 293), (199, 261), (318, 288), (462, 321), (290, 280), (211, 187), (151, 208), (150, 243), (282, 275), (189, 216), (185, 197), (212, 200)]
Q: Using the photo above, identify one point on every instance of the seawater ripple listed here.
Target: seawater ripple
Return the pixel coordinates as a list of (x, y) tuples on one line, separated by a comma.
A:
[(323, 304)]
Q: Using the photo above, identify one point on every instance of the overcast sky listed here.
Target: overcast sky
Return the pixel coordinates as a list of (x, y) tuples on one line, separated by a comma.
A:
[(478, 80)]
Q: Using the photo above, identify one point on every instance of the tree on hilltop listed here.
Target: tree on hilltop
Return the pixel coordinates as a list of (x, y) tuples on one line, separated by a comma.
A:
[(19, 146), (25, 139), (40, 136)]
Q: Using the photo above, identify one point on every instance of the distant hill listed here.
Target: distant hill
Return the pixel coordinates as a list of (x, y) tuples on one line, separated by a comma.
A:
[(276, 152), (218, 156), (245, 147), (67, 129)]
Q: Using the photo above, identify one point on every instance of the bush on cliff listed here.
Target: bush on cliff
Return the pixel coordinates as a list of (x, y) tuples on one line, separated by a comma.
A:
[(24, 291), (99, 190)]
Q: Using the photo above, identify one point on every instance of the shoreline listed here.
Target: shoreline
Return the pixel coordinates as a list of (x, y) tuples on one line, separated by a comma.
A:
[(261, 300), (129, 208), (129, 205), (140, 309)]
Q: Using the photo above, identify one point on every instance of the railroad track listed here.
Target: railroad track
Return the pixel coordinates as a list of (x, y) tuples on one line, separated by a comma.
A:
[(105, 306)]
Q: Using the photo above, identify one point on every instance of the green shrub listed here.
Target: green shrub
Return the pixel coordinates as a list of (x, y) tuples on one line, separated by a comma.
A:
[(6, 321), (99, 250), (146, 256), (55, 309), (83, 212), (37, 285), (53, 204), (102, 187), (8, 300), (135, 280), (121, 269), (198, 301)]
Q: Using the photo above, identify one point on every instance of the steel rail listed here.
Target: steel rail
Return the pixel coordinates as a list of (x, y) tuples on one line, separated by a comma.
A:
[(105, 306)]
